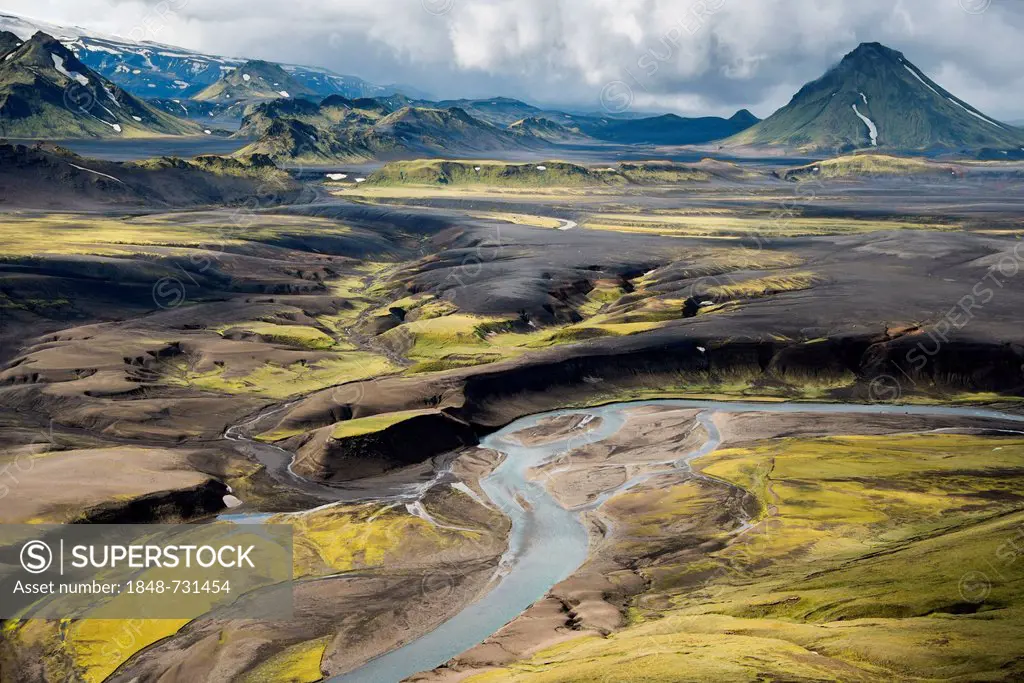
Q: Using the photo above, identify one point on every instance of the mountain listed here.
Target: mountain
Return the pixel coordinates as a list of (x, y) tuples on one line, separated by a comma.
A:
[(253, 81), (339, 129), (669, 129), (45, 91), (8, 42), (331, 111), (225, 115), (500, 111), (290, 140), (744, 118), (420, 128), (875, 97), (545, 129), (149, 69)]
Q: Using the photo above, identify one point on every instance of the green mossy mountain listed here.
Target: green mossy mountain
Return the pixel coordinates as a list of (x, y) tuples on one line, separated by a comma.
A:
[(437, 129), (254, 81), (545, 129), (339, 129), (46, 92), (876, 98)]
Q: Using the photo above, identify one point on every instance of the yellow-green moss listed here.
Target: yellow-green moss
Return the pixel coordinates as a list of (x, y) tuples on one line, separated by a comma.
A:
[(374, 423), (299, 663)]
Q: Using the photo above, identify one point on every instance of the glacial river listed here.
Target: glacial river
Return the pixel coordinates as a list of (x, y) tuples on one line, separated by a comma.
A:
[(547, 542)]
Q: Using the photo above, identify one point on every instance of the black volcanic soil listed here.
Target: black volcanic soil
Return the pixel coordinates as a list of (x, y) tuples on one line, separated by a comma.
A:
[(889, 308)]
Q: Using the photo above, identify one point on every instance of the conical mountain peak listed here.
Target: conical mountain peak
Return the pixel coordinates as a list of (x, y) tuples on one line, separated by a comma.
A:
[(875, 97)]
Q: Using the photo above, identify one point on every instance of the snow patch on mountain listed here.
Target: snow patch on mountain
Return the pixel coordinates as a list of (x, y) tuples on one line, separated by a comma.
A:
[(58, 64), (89, 170), (93, 47), (110, 94), (872, 129), (918, 77), (974, 113)]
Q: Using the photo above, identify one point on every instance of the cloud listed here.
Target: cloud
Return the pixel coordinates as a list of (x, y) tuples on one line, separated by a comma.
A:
[(691, 56)]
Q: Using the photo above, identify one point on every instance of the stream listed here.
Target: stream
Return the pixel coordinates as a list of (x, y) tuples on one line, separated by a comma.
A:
[(547, 542)]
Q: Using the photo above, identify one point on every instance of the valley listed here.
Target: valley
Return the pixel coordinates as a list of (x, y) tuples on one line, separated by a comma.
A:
[(372, 334), (542, 392)]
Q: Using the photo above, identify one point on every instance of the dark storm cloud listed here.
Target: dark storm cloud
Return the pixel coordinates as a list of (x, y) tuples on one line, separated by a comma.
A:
[(691, 56)]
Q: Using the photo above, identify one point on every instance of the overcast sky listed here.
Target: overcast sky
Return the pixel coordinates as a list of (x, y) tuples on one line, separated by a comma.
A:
[(692, 57)]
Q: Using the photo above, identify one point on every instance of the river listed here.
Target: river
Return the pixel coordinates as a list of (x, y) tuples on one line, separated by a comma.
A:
[(547, 542)]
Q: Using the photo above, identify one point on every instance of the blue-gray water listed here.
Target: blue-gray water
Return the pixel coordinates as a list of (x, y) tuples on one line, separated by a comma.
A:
[(134, 149)]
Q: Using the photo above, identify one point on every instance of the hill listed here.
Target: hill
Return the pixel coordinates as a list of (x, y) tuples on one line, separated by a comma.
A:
[(489, 173), (45, 176), (875, 97), (669, 129), (45, 91), (863, 165), (550, 173)]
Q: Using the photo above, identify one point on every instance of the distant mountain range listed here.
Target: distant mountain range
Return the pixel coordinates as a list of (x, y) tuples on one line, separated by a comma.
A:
[(339, 129), (876, 98), (222, 92), (45, 91), (342, 129), (79, 84), (150, 69), (670, 129)]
